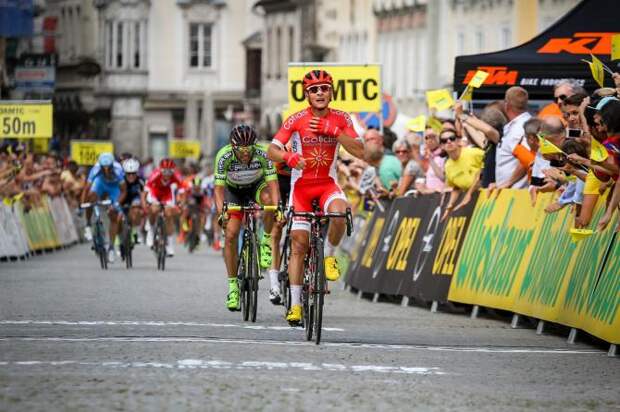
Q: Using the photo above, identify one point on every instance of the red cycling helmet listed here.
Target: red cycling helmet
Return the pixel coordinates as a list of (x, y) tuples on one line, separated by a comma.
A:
[(167, 163), (317, 77)]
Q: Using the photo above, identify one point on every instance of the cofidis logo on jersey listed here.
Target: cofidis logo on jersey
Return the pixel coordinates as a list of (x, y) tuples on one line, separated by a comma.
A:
[(579, 43), (357, 88)]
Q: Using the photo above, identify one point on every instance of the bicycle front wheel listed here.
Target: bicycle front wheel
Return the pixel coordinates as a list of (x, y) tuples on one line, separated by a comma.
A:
[(253, 279), (243, 274), (319, 290), (100, 244)]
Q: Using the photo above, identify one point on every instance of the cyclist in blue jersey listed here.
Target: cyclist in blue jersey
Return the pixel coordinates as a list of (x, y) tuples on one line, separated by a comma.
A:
[(104, 182)]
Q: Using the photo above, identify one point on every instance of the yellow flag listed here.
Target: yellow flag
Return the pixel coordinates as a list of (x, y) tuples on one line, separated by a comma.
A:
[(598, 153), (478, 79), (440, 99), (435, 124), (615, 47), (580, 234), (468, 94), (546, 147), (417, 124), (598, 72)]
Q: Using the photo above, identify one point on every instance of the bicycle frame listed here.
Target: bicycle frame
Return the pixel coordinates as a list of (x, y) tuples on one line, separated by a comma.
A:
[(99, 234)]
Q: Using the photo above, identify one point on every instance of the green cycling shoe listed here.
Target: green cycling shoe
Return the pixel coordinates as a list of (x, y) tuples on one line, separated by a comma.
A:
[(232, 299), (265, 252)]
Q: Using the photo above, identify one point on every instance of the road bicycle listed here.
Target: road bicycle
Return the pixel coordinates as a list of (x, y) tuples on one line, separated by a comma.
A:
[(127, 242), (314, 285), (160, 239), (192, 238), (248, 269), (99, 230)]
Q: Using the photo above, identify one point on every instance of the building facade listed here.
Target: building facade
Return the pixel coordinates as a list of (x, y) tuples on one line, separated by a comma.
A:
[(158, 70)]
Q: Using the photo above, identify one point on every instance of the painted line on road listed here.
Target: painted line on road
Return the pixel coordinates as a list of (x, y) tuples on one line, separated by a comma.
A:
[(305, 343), (151, 323), (244, 365)]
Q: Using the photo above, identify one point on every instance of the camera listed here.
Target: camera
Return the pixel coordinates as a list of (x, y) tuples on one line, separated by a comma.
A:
[(557, 162), (573, 133)]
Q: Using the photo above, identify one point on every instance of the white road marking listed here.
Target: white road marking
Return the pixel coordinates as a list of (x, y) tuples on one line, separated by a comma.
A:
[(311, 344), (151, 323), (245, 365)]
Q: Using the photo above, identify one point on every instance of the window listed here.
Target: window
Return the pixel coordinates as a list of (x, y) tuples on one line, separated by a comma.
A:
[(291, 44), (200, 45), (125, 44), (119, 45), (506, 38), (136, 45), (480, 41), (460, 43), (278, 52)]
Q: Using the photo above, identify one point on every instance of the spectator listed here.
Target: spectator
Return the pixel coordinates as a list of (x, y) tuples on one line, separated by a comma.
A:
[(531, 128), (507, 167), (489, 128), (462, 169), (389, 137), (573, 194), (413, 173), (388, 167), (435, 156), (562, 90)]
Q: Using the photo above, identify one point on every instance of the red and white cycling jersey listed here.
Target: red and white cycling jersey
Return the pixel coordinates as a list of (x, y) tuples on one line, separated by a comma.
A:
[(319, 151), (318, 179), (160, 188)]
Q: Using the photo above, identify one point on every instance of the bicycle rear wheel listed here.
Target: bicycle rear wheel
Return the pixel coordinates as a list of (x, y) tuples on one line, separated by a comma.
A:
[(126, 244), (253, 279), (319, 290), (285, 289), (160, 234)]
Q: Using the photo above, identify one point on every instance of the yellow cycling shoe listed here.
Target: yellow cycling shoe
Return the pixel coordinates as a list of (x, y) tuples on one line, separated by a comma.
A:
[(332, 271), (293, 317)]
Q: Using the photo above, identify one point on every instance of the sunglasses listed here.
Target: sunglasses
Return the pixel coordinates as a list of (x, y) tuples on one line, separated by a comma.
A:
[(561, 97), (244, 149), (167, 172), (315, 89), (448, 139), (401, 151)]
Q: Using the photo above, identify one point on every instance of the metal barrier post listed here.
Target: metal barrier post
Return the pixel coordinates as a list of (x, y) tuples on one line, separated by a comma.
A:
[(572, 336), (474, 312), (540, 327), (434, 306), (515, 321), (612, 350)]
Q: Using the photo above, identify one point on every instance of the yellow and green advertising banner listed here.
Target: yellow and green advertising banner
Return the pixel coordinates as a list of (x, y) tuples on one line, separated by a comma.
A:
[(519, 258)]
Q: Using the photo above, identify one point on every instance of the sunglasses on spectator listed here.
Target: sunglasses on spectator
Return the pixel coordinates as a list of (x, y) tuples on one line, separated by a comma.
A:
[(315, 89), (561, 97), (401, 151), (448, 139)]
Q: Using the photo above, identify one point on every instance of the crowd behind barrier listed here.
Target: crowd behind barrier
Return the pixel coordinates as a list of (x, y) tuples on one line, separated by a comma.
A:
[(502, 252)]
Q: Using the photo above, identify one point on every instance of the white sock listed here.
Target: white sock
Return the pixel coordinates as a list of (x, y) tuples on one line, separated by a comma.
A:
[(329, 249), (171, 240), (296, 294), (273, 277)]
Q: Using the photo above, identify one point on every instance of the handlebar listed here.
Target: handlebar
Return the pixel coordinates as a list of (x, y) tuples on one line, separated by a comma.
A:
[(249, 208)]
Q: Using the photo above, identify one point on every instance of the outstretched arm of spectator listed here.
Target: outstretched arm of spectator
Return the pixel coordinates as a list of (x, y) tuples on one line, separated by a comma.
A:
[(475, 135), (516, 175), (467, 198), (438, 170), (404, 184), (489, 131), (611, 208), (454, 195), (85, 192)]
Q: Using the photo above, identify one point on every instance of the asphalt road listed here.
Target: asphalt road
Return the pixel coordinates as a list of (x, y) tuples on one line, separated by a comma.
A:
[(73, 337)]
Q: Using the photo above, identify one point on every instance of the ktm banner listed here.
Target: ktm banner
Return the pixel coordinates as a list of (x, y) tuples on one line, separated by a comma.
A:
[(409, 250), (357, 88), (579, 43)]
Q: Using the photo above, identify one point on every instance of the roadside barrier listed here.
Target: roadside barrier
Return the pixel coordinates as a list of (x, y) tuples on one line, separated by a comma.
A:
[(46, 226), (498, 252)]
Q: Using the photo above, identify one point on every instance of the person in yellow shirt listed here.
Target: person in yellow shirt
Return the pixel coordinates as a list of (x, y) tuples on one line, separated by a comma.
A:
[(462, 169)]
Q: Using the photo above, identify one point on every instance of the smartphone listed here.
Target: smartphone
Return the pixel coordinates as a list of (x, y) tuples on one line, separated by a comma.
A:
[(573, 133), (557, 162)]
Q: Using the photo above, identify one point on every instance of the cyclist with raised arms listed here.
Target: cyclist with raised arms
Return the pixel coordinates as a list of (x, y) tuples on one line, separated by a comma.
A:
[(132, 197), (317, 131), (243, 173), (104, 182), (161, 191)]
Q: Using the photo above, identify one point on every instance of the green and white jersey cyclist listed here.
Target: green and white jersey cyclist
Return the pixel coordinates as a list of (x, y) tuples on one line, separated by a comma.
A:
[(243, 174)]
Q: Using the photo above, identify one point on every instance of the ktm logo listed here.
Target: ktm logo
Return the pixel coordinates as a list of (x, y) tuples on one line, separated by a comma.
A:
[(499, 75), (580, 43)]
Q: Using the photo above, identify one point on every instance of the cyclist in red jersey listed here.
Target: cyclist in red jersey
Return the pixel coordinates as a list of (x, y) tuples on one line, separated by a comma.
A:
[(160, 192), (316, 131)]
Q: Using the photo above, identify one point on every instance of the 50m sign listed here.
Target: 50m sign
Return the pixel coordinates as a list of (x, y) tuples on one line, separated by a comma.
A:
[(26, 120)]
